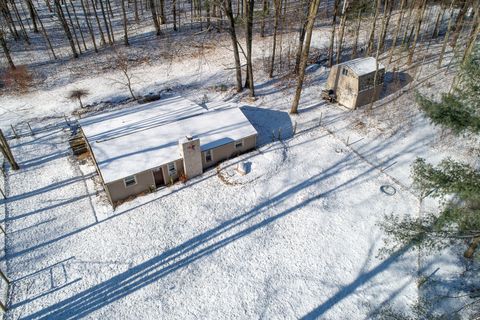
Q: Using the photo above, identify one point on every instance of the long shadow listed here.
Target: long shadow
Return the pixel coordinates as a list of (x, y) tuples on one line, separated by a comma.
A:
[(48, 188), (349, 289), (119, 286)]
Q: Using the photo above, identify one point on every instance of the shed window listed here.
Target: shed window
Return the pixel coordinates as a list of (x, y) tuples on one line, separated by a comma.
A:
[(345, 71), (238, 144), (208, 156), (130, 181), (172, 169)]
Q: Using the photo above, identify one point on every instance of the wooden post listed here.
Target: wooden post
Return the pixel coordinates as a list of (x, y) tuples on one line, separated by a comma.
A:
[(320, 122), (4, 197), (14, 133), (348, 140), (3, 230), (5, 148), (66, 121), (29, 127)]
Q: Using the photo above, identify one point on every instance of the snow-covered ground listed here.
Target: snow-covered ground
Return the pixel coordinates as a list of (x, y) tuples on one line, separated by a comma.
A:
[(283, 245), (295, 237)]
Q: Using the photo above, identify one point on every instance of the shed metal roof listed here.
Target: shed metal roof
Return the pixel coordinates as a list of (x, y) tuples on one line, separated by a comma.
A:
[(362, 66)]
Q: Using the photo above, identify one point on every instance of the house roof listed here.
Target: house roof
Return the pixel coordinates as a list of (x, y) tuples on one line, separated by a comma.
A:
[(129, 141), (363, 66)]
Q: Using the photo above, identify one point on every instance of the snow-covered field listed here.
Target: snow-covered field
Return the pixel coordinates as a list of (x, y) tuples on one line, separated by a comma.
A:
[(296, 237), (284, 245)]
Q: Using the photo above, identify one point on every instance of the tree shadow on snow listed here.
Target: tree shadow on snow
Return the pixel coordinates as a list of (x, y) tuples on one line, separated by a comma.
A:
[(204, 244)]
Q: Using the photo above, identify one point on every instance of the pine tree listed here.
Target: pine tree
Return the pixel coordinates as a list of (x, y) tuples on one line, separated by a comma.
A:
[(457, 185), (458, 110)]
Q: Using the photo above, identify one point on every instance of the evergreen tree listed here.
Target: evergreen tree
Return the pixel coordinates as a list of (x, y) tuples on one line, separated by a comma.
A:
[(457, 185), (458, 110)]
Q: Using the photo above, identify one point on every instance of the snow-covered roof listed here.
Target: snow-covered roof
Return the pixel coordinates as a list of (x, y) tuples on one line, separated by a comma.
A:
[(140, 138), (362, 66)]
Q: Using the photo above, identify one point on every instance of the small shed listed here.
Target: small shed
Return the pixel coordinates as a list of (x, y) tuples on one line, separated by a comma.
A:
[(353, 82)]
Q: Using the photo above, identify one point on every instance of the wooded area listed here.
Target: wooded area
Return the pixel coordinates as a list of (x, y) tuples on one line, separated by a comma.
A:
[(392, 26)]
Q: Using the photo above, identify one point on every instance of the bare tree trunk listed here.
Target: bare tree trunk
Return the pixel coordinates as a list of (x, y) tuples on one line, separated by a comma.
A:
[(371, 39), (73, 28), (342, 30), (332, 36), (421, 12), (174, 13), (125, 22), (249, 39), (90, 29), (301, 39), (163, 20), (45, 35), (6, 50), (33, 16), (440, 14), (20, 22), (102, 35), (357, 33), (409, 19), (9, 20), (397, 30), (276, 17), (154, 16), (63, 21), (78, 24), (447, 35), (265, 13), (474, 34), (227, 7), (459, 23), (109, 18), (135, 9), (105, 21), (386, 22), (312, 13)]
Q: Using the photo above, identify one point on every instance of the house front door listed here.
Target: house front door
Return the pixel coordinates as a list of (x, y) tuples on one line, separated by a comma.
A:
[(158, 176)]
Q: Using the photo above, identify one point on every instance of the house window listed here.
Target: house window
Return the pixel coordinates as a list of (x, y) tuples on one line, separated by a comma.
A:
[(130, 181), (345, 72), (238, 144), (208, 156), (172, 169)]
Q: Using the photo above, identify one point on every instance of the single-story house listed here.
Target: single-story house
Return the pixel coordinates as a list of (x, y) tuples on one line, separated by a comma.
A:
[(352, 82), (144, 147)]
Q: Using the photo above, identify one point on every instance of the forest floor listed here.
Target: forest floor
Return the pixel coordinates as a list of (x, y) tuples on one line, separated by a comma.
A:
[(296, 237)]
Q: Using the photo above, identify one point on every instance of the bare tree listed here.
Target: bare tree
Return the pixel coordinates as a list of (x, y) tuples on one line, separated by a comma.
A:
[(154, 16), (78, 94), (66, 28), (122, 64), (397, 30), (371, 38), (6, 49), (447, 35), (227, 8), (276, 17), (420, 14), (125, 22), (249, 39), (332, 36), (312, 13)]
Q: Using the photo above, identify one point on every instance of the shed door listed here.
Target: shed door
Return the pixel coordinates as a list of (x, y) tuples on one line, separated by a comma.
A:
[(158, 176)]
